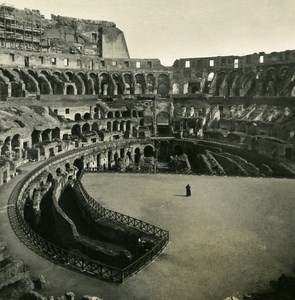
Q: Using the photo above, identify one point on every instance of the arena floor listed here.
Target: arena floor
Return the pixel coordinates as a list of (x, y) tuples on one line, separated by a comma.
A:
[(232, 236)]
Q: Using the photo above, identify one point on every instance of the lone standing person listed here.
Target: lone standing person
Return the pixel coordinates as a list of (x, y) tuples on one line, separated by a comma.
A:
[(188, 190)]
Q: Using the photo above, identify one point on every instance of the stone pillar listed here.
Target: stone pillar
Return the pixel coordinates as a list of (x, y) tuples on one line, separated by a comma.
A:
[(156, 85)]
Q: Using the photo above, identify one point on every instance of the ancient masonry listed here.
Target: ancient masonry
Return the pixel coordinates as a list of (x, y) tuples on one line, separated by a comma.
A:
[(71, 94)]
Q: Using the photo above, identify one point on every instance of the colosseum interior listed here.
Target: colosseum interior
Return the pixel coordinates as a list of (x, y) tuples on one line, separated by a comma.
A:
[(93, 142)]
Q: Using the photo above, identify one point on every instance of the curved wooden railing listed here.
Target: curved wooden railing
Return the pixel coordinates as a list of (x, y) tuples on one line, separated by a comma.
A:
[(64, 257)]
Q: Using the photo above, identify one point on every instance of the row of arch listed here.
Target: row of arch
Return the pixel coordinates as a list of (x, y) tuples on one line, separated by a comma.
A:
[(262, 82), (21, 82)]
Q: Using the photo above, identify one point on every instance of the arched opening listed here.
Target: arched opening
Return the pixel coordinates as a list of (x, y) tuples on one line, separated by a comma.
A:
[(119, 83), (137, 155), (128, 125), (58, 172), (56, 133), (78, 117), (148, 151), (122, 126), (128, 84), (115, 126), (67, 167), (109, 126), (36, 137), (110, 115), (87, 116), (86, 127), (138, 89), (79, 163), (210, 76), (175, 88), (76, 130), (140, 84), (150, 83), (6, 146), (105, 84), (134, 114), (15, 142), (95, 127), (46, 135), (163, 123), (49, 178), (98, 161), (117, 114), (70, 90), (163, 84)]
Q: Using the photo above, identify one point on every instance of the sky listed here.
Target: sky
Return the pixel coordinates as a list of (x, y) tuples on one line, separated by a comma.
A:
[(172, 29)]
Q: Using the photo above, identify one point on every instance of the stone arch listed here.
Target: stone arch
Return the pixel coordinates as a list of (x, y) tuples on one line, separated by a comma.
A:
[(123, 126), (94, 78), (233, 84), (76, 130), (150, 83), (16, 89), (110, 115), (221, 84), (3, 91), (44, 85), (70, 90), (78, 117), (36, 137), (148, 151), (79, 163), (115, 125), (56, 133), (137, 155), (163, 118), (15, 142), (58, 171), (247, 84), (49, 178), (128, 125), (80, 81), (270, 84), (105, 84), (46, 135), (87, 116), (162, 121), (210, 76), (119, 83), (128, 84), (175, 88), (95, 127), (117, 114), (163, 84), (86, 127), (70, 75), (139, 84), (6, 146), (135, 113)]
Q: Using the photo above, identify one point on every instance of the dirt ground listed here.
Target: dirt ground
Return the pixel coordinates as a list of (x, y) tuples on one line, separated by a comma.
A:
[(232, 236)]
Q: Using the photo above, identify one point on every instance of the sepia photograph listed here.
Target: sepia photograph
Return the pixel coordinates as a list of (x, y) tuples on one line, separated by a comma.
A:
[(147, 150)]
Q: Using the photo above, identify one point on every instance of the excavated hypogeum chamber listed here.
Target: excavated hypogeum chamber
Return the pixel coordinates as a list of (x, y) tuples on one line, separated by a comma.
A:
[(69, 222)]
